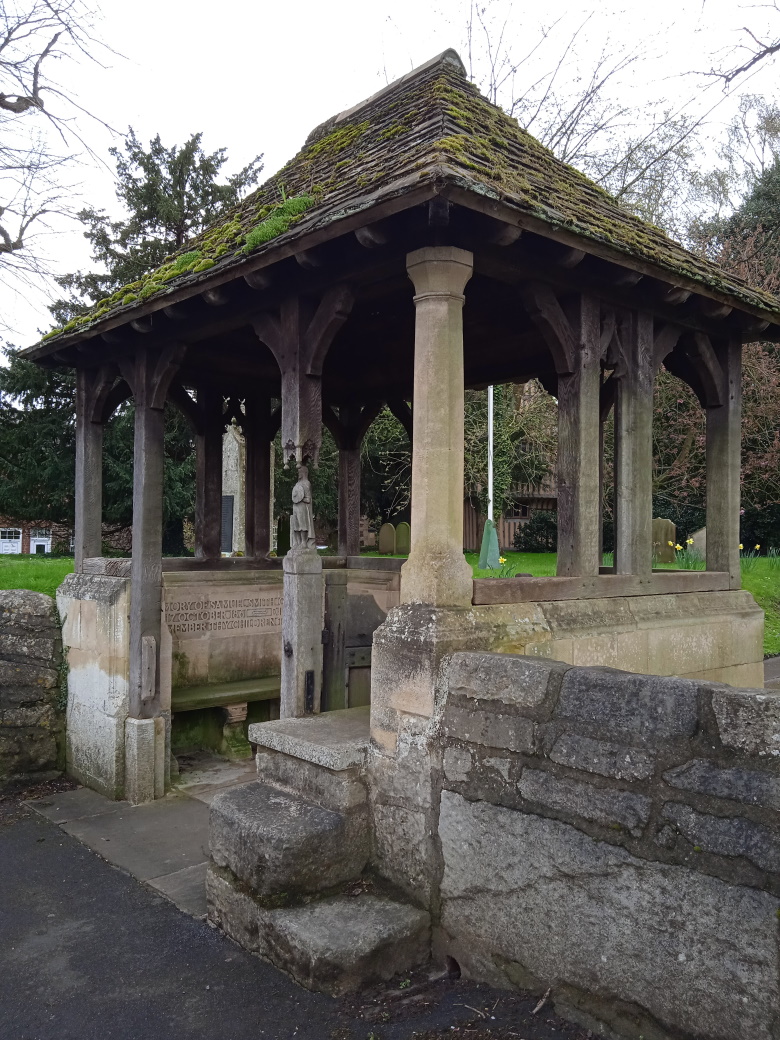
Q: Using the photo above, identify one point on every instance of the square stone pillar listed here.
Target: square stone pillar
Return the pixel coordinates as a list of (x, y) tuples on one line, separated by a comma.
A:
[(436, 572), (89, 475), (723, 466), (302, 624)]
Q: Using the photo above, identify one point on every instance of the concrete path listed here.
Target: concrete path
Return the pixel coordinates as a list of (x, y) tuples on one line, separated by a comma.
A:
[(89, 953), (165, 843), (772, 673)]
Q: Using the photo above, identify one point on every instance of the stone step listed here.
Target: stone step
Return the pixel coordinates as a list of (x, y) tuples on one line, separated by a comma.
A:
[(321, 757), (336, 945), (281, 845)]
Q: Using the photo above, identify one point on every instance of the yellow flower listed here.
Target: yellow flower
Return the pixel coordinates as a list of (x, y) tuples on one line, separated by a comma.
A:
[(740, 545), (689, 541), (678, 547), (670, 543), (757, 547), (502, 559)]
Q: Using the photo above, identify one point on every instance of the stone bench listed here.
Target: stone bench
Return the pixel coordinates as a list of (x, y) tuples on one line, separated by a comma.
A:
[(234, 698)]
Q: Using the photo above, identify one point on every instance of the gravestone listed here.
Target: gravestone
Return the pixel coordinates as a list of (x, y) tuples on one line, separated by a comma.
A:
[(403, 539), (700, 542), (387, 539), (664, 531)]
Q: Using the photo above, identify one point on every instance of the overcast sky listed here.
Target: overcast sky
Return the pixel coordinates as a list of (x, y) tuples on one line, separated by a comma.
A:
[(258, 76)]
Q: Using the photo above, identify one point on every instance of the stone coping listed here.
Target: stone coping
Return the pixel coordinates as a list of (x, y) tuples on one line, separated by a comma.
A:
[(335, 739)]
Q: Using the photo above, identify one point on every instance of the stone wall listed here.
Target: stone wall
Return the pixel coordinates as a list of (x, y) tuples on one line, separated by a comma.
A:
[(31, 726), (610, 835)]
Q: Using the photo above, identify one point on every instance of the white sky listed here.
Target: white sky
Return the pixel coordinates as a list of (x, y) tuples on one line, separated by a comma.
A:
[(258, 76)]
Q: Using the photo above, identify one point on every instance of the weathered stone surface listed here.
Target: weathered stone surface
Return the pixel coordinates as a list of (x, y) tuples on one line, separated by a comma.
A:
[(334, 739), (699, 955), (726, 835), (638, 709), (740, 785), (340, 790), (403, 848), (500, 731), (334, 945), (457, 763), (341, 945), (277, 843), (30, 658), (748, 720), (602, 757), (606, 807), (521, 681), (28, 673)]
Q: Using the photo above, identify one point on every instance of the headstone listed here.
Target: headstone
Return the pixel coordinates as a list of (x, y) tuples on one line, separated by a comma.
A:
[(664, 532), (403, 539), (700, 542), (387, 539)]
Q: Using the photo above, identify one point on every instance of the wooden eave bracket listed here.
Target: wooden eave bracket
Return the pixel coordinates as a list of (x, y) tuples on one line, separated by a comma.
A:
[(545, 311)]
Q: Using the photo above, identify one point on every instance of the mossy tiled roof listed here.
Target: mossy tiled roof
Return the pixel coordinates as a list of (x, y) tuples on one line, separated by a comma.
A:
[(432, 124)]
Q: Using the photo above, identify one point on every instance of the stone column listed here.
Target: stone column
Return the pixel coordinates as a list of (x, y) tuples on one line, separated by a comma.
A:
[(208, 490), (723, 466), (579, 451), (436, 572), (634, 449), (89, 475), (349, 501), (302, 624)]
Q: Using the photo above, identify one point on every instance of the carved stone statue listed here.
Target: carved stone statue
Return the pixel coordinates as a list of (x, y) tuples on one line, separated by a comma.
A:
[(302, 524)]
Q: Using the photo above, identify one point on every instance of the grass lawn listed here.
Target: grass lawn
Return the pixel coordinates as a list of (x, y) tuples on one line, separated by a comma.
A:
[(37, 573), (44, 574)]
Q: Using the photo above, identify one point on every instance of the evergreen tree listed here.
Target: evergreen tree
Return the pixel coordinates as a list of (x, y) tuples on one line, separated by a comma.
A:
[(169, 195)]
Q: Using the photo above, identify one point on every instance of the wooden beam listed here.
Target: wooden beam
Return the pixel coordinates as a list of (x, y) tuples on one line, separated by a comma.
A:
[(89, 469), (578, 445), (372, 236), (493, 591), (217, 297), (208, 488), (665, 340), (634, 448), (723, 467), (258, 280), (403, 413)]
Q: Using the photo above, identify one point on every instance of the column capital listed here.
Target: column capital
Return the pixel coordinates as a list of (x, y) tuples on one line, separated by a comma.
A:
[(440, 270)]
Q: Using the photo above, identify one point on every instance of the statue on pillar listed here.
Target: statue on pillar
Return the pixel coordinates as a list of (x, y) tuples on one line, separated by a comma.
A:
[(302, 524)]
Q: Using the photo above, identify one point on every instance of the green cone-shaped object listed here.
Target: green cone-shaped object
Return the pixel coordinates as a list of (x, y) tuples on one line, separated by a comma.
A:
[(488, 554)]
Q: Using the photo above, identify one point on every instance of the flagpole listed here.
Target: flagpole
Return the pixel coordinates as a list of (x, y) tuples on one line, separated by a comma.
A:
[(490, 452)]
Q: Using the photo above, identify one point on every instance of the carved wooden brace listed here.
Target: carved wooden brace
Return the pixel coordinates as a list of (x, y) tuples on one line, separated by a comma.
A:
[(547, 314), (300, 342)]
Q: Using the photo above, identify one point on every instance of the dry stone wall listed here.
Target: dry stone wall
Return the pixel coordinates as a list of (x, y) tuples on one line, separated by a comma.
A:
[(616, 837), (31, 725)]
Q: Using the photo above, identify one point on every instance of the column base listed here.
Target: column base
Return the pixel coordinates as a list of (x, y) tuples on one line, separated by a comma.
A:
[(438, 578), (147, 760)]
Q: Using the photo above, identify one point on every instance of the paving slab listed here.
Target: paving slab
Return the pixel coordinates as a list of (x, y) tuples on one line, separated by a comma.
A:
[(76, 805), (185, 888), (149, 840)]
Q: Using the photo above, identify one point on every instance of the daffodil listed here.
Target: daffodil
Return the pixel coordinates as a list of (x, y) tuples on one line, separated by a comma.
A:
[(689, 541), (740, 545), (678, 548), (756, 547), (670, 543), (502, 559)]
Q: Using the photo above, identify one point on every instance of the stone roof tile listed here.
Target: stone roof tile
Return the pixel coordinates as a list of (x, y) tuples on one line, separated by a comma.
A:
[(432, 125)]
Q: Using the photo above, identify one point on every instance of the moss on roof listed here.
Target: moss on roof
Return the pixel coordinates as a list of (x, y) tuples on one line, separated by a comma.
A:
[(431, 124)]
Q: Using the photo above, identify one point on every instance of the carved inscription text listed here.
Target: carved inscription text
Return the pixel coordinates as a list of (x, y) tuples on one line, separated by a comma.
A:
[(239, 613)]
